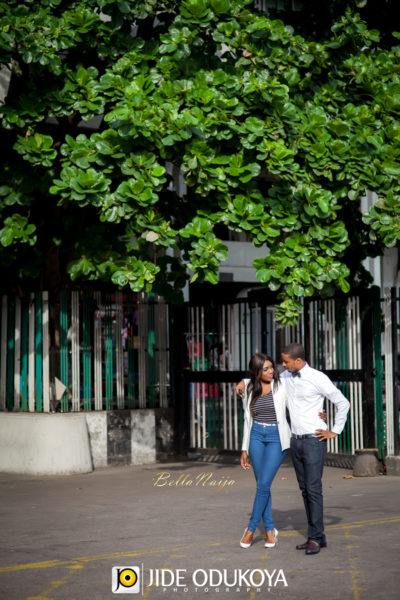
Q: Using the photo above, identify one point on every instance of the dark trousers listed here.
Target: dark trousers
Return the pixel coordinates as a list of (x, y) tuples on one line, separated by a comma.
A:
[(308, 457)]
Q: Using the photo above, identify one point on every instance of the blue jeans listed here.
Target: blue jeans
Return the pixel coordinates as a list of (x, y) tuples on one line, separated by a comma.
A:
[(266, 456), (308, 456)]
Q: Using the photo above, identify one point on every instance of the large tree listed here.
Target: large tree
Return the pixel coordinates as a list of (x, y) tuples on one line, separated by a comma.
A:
[(276, 135)]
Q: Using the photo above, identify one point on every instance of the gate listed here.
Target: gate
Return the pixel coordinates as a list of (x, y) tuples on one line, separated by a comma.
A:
[(219, 341), (391, 313), (341, 338)]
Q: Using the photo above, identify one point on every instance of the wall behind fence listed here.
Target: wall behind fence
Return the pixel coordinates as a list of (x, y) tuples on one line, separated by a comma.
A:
[(83, 351)]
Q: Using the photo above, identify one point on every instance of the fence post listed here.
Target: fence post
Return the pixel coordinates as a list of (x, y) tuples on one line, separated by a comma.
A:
[(64, 348), (75, 352), (161, 312), (307, 333), (142, 350), (380, 437), (17, 356), (119, 353), (38, 351), (3, 353), (151, 349), (10, 354), (24, 356), (31, 351), (396, 441), (45, 349), (368, 384), (108, 353), (131, 354), (97, 353), (178, 357), (86, 353)]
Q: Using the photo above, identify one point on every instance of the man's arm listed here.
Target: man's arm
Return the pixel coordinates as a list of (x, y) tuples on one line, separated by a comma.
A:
[(330, 391)]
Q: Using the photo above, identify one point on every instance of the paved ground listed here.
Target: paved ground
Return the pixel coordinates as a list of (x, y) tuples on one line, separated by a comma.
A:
[(61, 536)]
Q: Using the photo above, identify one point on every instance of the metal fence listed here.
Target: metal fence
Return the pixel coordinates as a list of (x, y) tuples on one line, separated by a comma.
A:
[(83, 351), (335, 343), (391, 346), (220, 340)]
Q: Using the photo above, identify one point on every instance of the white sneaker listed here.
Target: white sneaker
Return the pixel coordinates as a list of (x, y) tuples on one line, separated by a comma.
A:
[(272, 544)]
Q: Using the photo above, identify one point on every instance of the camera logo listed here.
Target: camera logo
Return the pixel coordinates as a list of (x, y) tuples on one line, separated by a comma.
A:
[(125, 580)]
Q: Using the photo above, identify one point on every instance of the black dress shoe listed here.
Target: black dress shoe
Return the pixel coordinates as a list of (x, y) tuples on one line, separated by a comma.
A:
[(312, 547), (304, 546)]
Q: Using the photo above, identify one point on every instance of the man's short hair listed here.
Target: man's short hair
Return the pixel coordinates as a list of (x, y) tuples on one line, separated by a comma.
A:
[(295, 351)]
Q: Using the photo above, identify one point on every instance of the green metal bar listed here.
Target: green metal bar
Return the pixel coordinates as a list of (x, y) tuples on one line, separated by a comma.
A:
[(151, 346), (86, 354), (346, 339), (219, 416), (317, 333), (38, 352), (338, 337), (251, 330), (345, 437), (211, 400), (240, 334), (10, 355), (316, 322), (216, 421), (378, 363), (314, 336), (64, 349), (344, 440), (342, 338), (398, 325), (320, 336), (209, 408), (247, 357), (108, 350), (131, 372), (24, 356), (241, 419), (213, 389)]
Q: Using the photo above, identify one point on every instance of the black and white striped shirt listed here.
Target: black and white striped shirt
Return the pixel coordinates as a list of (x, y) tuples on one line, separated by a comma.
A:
[(264, 409)]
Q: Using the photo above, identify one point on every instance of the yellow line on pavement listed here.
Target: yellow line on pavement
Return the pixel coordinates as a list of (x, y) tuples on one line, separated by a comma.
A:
[(179, 547), (56, 584)]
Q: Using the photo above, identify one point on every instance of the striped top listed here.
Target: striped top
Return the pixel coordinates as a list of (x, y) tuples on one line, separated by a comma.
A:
[(264, 409)]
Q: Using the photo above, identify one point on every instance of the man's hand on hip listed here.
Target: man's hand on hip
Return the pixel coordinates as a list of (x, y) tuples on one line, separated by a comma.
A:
[(325, 434)]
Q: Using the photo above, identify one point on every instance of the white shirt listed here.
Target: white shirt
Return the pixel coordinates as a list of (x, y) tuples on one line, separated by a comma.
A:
[(305, 397)]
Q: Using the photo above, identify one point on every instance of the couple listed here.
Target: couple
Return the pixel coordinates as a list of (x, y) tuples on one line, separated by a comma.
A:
[(267, 435)]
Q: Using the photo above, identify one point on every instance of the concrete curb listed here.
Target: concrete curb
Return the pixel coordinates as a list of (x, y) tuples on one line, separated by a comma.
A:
[(44, 444)]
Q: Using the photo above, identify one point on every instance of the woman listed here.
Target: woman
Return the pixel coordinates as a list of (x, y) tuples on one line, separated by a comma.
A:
[(266, 436)]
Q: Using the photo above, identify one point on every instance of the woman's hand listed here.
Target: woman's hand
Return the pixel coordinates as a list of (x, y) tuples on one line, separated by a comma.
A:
[(243, 460), (240, 388)]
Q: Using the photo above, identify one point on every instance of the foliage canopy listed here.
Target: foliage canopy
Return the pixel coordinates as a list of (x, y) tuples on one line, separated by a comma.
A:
[(276, 136)]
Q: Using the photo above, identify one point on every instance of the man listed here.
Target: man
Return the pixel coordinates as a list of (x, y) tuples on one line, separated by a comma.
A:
[(306, 389)]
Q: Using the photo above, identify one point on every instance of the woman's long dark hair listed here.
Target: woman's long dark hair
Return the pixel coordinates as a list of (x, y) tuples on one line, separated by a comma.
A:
[(256, 365)]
